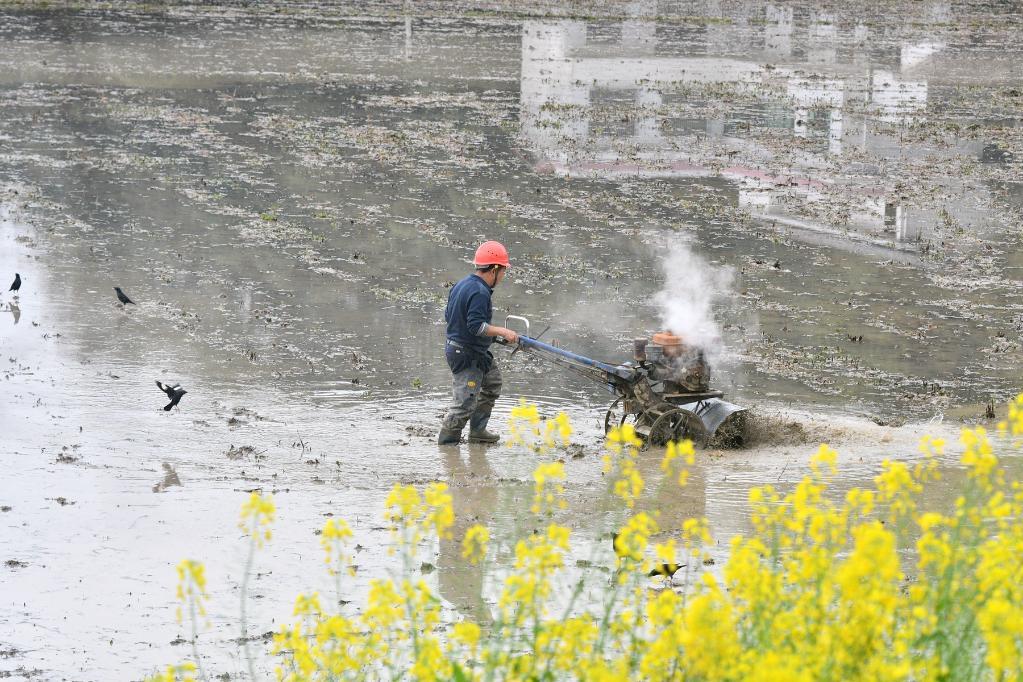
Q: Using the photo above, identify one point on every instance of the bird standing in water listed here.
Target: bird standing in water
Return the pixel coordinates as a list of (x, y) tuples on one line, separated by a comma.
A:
[(122, 297), (668, 571), (173, 392), (16, 284)]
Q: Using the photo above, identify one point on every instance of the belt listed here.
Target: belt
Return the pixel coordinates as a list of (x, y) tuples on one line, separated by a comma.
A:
[(462, 346)]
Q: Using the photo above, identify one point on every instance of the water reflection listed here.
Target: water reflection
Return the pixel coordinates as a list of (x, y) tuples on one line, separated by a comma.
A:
[(461, 583), (813, 137), (482, 495)]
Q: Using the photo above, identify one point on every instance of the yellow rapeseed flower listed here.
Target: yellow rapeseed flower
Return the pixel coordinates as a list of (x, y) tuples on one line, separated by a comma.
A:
[(307, 605), (257, 516), (979, 457), (1013, 424), (176, 673), (634, 536), (403, 503), (628, 485), (191, 591), (439, 512), (897, 487), (564, 427), (548, 488), (474, 544), (336, 529), (674, 451), (526, 411), (623, 437), (336, 534), (524, 424), (815, 591), (823, 461), (696, 533), (466, 633)]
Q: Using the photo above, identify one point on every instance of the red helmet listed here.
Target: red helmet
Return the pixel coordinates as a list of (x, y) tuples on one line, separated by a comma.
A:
[(491, 253)]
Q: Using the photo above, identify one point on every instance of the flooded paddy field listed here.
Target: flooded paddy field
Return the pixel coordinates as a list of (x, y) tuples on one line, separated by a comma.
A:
[(288, 192)]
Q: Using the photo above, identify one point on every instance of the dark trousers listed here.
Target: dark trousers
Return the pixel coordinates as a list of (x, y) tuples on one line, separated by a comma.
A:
[(474, 393)]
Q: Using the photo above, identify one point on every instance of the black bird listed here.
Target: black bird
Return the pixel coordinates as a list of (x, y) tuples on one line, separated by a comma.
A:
[(122, 297), (17, 283), (173, 392), (666, 570)]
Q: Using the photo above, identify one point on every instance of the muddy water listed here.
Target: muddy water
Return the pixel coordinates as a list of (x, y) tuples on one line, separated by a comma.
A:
[(287, 196)]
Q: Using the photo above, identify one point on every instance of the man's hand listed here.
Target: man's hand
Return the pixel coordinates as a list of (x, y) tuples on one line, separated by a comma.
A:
[(503, 332)]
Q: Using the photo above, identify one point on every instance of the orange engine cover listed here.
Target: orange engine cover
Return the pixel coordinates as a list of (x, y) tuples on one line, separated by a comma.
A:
[(672, 345)]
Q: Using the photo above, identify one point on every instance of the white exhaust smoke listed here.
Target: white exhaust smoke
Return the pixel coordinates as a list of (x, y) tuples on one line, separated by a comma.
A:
[(691, 288)]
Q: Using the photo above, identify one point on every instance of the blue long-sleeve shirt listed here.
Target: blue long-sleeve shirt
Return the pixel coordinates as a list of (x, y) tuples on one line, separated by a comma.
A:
[(468, 313)]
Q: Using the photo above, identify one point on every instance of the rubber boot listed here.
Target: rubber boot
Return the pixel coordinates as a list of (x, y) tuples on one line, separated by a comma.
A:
[(483, 436), (449, 436)]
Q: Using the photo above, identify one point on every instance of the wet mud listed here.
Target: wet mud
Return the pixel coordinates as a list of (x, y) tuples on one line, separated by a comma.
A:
[(287, 192)]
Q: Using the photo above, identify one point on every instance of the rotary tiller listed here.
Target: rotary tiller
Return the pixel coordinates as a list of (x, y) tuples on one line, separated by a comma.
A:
[(664, 391)]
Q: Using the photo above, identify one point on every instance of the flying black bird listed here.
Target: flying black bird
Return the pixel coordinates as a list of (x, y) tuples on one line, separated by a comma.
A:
[(122, 297), (173, 392), (17, 283)]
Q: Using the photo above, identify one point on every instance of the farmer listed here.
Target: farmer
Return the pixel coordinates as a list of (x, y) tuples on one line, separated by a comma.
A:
[(477, 380)]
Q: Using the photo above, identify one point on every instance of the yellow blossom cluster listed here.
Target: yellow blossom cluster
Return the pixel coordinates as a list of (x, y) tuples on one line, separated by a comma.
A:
[(257, 517), (175, 673), (474, 544), (413, 514), (1013, 424), (549, 488), (526, 427), (335, 536), (675, 453), (620, 463), (191, 588), (877, 584)]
